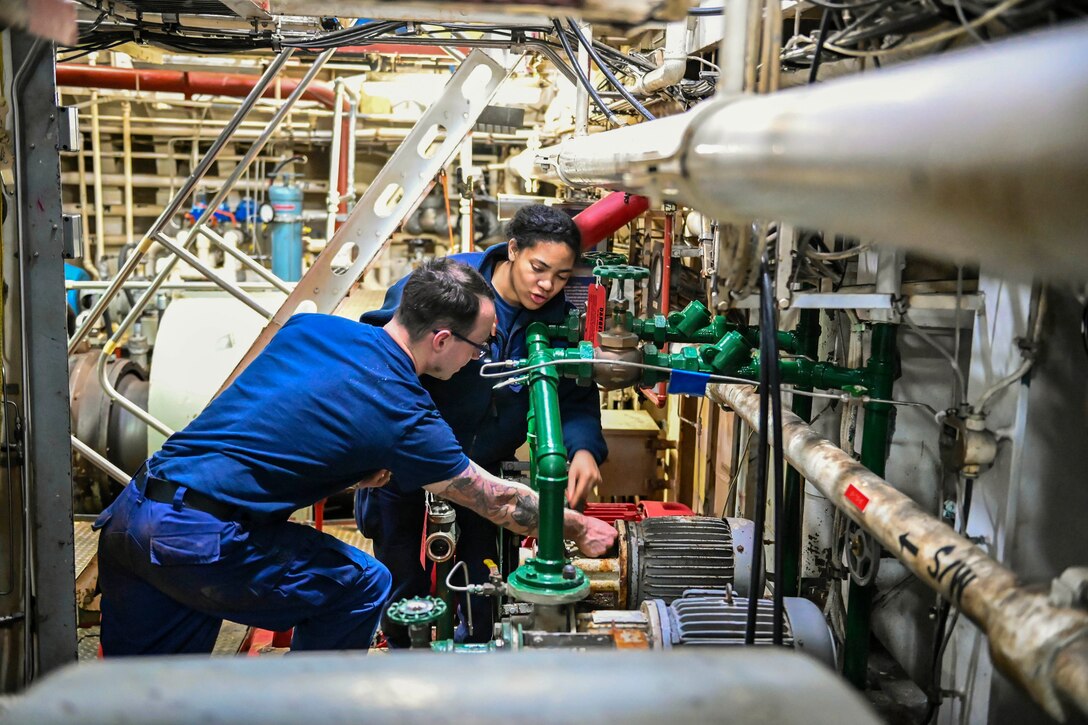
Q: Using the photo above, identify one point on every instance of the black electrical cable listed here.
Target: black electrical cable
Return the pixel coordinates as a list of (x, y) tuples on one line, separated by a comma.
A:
[(770, 398), (942, 634), (760, 521), (271, 176), (1084, 328), (627, 95), (768, 349), (825, 21), (580, 72)]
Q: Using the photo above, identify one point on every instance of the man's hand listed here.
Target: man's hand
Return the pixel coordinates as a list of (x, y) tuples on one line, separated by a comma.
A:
[(595, 537), (375, 480), (517, 508), (582, 476)]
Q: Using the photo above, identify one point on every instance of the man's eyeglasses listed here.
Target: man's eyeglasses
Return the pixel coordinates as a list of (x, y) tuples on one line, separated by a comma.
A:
[(483, 349)]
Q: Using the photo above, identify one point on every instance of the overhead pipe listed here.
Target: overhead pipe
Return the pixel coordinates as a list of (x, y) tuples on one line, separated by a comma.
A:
[(978, 155), (235, 85), (674, 62), (1042, 647), (191, 83)]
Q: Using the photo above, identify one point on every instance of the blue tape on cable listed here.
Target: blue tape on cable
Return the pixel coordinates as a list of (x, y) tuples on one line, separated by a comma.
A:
[(683, 382)]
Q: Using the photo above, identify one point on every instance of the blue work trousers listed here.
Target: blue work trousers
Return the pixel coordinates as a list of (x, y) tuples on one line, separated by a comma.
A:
[(395, 521), (171, 574)]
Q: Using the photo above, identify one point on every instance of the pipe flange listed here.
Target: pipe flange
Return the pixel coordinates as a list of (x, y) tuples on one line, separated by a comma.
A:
[(440, 546)]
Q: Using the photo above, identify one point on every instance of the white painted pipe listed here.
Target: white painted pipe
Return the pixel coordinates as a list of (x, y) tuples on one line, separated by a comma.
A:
[(99, 172), (673, 65), (126, 148)]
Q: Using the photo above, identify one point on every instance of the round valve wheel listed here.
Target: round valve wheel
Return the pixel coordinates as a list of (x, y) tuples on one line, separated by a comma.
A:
[(620, 271), (862, 554), (605, 258)]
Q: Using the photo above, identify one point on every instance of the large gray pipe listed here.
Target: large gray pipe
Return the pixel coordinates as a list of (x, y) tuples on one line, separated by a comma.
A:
[(738, 685), (978, 155), (1042, 647)]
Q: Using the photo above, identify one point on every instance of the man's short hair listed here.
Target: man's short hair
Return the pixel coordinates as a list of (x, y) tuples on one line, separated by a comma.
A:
[(442, 293)]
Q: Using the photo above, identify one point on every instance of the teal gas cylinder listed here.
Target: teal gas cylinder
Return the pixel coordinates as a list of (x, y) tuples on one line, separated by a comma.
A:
[(286, 201)]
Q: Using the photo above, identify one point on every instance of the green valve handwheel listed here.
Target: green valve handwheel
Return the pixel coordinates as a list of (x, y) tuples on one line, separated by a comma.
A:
[(599, 258), (417, 610), (620, 271)]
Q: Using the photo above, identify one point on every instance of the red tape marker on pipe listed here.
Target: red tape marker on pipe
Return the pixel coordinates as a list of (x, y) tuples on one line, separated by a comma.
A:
[(856, 497)]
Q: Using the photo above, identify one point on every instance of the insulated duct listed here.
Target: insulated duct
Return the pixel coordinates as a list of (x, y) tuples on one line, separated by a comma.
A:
[(735, 685), (977, 155)]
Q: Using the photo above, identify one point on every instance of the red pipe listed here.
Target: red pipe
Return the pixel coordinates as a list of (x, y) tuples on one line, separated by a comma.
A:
[(188, 82), (192, 83), (604, 217), (666, 281)]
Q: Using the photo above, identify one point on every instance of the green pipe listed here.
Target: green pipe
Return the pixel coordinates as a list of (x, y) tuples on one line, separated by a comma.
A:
[(808, 374), (444, 626), (549, 453), (808, 337), (880, 372), (548, 577)]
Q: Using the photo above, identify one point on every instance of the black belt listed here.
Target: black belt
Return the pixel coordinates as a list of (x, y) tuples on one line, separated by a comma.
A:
[(163, 491)]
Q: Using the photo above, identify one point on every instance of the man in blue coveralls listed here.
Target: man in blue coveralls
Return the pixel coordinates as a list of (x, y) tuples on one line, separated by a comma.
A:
[(528, 275), (201, 534)]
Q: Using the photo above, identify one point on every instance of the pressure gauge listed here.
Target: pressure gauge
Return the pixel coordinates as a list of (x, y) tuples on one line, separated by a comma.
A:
[(265, 212)]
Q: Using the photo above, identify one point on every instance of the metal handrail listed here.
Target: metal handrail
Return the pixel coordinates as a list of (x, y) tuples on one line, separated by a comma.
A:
[(180, 252), (175, 203)]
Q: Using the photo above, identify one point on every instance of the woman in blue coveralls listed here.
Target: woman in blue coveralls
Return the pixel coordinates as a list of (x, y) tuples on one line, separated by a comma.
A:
[(527, 274)]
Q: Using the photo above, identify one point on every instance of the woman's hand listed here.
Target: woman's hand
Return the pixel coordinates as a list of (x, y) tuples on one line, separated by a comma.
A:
[(582, 476), (375, 480)]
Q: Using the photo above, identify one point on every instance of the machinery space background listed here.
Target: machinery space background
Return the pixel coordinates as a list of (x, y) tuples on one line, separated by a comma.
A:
[(896, 186)]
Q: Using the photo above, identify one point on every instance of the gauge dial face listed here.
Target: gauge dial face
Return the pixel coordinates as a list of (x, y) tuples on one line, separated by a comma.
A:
[(265, 212)]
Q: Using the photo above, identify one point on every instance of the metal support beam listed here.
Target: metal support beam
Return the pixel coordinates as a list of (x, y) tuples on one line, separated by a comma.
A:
[(393, 194), (808, 341), (874, 456), (47, 471)]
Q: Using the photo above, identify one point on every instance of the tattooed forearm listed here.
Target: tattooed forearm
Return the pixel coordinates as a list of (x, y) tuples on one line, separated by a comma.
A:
[(507, 504)]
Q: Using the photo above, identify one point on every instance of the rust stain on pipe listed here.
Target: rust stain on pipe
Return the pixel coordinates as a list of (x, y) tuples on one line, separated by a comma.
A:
[(1042, 647)]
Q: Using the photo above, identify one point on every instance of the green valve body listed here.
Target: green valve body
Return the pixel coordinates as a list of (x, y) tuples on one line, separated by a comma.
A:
[(729, 354), (691, 319)]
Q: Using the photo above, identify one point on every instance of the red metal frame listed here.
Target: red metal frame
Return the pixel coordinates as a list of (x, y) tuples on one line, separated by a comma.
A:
[(613, 512)]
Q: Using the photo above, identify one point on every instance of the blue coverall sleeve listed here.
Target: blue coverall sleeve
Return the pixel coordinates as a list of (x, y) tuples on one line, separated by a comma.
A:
[(389, 307), (580, 409)]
